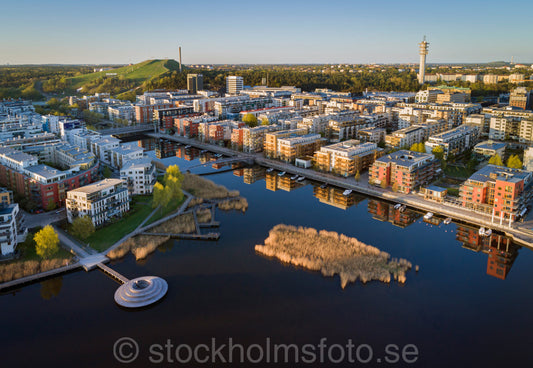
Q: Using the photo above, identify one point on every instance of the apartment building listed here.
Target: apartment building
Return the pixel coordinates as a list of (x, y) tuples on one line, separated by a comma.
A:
[(195, 83), (490, 148), (68, 156), (454, 141), (123, 112), (12, 230), (234, 84), (500, 191), (42, 184), (404, 170), (101, 147), (479, 121), (372, 134), (405, 137), (347, 158), (140, 175), (253, 139), (231, 107), (289, 148), (520, 97), (270, 147), (6, 196), (164, 118), (124, 153), (144, 114), (103, 201)]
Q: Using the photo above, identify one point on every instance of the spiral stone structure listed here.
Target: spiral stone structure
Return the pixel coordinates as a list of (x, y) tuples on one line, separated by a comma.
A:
[(141, 292)]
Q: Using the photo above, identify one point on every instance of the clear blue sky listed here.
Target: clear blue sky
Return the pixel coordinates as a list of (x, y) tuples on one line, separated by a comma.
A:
[(306, 31)]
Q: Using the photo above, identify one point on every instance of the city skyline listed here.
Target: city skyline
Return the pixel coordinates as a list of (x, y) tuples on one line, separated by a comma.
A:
[(280, 33)]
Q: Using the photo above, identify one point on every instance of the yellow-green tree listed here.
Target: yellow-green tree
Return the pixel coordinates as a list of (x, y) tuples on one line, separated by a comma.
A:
[(438, 152), (264, 121), (357, 176), (514, 162), (162, 195), (250, 120), (496, 160), (173, 179), (82, 227), (173, 170), (46, 242)]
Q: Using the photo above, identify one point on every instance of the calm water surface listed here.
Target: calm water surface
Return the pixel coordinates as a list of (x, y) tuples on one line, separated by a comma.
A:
[(452, 309)]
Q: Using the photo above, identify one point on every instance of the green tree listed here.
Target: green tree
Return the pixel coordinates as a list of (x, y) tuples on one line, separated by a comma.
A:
[(514, 162), (46, 242), (250, 120), (438, 152), (106, 172), (82, 227), (357, 176), (51, 205), (496, 160), (162, 195)]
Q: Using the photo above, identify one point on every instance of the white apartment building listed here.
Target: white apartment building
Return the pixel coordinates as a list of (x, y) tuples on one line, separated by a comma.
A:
[(126, 112), (12, 231), (405, 137), (234, 84), (124, 153), (140, 175), (454, 141), (102, 201), (102, 146)]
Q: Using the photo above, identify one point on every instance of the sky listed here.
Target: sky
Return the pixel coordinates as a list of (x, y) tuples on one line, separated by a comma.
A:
[(264, 32)]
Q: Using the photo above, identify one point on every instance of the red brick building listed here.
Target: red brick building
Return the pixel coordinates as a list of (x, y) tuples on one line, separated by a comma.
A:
[(404, 170), (499, 191)]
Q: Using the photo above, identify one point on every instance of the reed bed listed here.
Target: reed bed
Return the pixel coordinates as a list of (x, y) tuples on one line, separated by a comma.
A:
[(206, 189), (17, 269), (239, 204), (332, 253), (140, 246)]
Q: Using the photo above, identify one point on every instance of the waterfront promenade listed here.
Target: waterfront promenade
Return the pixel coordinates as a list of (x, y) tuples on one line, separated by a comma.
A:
[(520, 232)]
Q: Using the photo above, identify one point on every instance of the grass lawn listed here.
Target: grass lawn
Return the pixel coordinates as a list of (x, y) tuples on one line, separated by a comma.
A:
[(458, 171), (172, 206), (140, 208), (28, 253)]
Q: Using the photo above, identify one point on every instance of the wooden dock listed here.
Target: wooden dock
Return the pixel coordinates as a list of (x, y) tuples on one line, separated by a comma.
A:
[(113, 274), (210, 236)]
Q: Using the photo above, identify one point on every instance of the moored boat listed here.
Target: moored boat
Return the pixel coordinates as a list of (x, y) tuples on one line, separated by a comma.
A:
[(347, 192), (428, 216)]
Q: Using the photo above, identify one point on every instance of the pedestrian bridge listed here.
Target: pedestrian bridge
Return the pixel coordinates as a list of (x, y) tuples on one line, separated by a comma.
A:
[(229, 160)]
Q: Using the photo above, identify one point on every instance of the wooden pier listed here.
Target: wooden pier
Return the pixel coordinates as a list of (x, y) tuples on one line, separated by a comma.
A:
[(113, 274), (210, 236)]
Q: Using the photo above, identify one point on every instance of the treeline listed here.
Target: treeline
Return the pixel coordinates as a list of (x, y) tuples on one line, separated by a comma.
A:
[(388, 80)]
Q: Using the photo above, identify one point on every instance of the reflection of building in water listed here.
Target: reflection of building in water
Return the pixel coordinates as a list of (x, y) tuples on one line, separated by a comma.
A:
[(275, 182), (271, 180), (334, 197), (501, 251), (238, 172), (384, 211), (165, 148), (147, 144), (253, 174)]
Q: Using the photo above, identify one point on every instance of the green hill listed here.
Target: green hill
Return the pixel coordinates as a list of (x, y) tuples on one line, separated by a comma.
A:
[(127, 77)]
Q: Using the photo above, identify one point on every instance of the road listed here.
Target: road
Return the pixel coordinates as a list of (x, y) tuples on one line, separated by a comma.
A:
[(43, 219)]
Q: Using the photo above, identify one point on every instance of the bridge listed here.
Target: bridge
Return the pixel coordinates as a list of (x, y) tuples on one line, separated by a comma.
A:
[(139, 128)]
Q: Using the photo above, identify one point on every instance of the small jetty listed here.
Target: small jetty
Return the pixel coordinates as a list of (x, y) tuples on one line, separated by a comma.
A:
[(210, 236)]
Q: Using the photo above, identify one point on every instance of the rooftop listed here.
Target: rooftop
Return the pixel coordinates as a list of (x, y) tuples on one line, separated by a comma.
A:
[(405, 158), (98, 186), (502, 173), (137, 163), (45, 171), (491, 145)]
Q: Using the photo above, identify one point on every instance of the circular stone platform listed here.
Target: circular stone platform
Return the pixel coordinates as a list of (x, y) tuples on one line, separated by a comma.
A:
[(141, 292)]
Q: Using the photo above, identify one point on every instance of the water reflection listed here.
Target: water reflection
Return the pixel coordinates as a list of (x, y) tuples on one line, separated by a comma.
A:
[(286, 182), (51, 287), (334, 197), (384, 211), (500, 249)]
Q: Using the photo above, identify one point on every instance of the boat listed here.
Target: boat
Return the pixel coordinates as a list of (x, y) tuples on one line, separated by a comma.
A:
[(188, 146), (300, 178), (270, 169), (488, 232), (323, 186), (481, 231), (281, 173), (347, 192), (397, 206), (203, 151), (447, 221), (403, 207), (294, 177), (428, 216), (218, 155)]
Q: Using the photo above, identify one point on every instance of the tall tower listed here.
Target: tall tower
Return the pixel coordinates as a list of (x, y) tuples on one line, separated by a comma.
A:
[(423, 47), (180, 56)]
